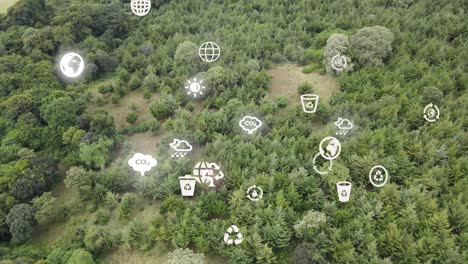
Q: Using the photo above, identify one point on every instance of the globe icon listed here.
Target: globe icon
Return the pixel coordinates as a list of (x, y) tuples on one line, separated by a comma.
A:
[(72, 65), (140, 7), (209, 51)]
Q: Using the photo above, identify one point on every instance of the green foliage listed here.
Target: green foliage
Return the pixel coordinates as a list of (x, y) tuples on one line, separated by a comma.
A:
[(132, 117), (46, 207), (127, 205), (282, 101), (21, 220), (305, 88), (96, 239), (185, 256), (81, 256), (372, 44), (164, 107)]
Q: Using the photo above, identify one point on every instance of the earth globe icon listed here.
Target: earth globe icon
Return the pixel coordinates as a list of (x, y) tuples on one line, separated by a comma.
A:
[(209, 51), (72, 65), (140, 7)]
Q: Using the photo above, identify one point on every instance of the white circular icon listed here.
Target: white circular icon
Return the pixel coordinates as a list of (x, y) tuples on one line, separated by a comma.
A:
[(332, 149), (338, 62), (254, 193), (72, 65), (195, 88), (140, 7), (233, 230), (209, 51), (431, 112), (378, 176), (315, 166)]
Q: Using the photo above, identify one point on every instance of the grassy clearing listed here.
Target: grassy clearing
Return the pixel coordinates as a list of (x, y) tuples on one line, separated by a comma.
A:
[(5, 4)]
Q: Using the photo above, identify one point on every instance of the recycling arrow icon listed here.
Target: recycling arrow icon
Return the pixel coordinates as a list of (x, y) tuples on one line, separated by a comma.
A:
[(227, 236)]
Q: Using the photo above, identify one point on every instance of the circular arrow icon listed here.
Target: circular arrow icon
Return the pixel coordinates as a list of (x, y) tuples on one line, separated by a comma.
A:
[(254, 193), (431, 112)]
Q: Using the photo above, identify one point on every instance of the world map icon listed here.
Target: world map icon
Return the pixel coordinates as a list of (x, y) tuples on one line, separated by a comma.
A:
[(140, 7), (209, 51), (72, 65)]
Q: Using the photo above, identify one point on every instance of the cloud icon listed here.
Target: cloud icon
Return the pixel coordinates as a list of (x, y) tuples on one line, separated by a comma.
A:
[(181, 145), (343, 123), (142, 163), (250, 124)]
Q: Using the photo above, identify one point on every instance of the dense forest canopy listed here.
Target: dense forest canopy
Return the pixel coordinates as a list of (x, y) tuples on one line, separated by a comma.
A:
[(401, 54)]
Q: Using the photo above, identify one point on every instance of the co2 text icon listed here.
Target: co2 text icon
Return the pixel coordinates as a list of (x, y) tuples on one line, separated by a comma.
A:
[(250, 124), (142, 163)]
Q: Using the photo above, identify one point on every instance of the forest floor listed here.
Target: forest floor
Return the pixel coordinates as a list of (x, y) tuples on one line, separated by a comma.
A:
[(287, 77), (5, 4)]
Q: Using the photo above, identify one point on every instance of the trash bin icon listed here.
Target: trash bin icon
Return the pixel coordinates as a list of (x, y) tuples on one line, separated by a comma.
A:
[(309, 102), (344, 190), (187, 185)]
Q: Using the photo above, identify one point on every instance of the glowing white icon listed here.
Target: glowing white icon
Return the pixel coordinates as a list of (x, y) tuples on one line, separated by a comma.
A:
[(338, 62), (378, 176), (227, 236), (209, 51), (195, 87), (140, 7), (309, 102), (431, 112), (142, 163), (254, 193), (316, 168), (332, 150), (344, 190), (344, 126), (187, 185), (250, 124), (208, 173), (181, 148), (72, 65)]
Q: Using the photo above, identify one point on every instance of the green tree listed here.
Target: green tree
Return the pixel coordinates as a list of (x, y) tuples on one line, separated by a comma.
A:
[(80, 256), (372, 44), (127, 205), (21, 221), (46, 207)]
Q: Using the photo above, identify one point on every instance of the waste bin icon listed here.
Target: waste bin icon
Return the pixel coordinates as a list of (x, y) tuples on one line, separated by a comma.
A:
[(187, 185), (309, 102), (344, 190)]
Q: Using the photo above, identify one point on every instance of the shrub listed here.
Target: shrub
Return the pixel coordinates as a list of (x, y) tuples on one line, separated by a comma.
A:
[(282, 101), (127, 205), (106, 88), (305, 88), (132, 117)]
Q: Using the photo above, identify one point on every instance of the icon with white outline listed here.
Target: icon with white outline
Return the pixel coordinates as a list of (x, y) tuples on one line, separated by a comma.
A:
[(142, 163), (181, 148), (309, 103), (250, 124), (344, 190), (316, 168), (431, 112), (254, 193), (187, 185), (332, 150), (209, 51), (344, 126), (140, 7), (227, 236), (378, 176), (72, 65), (338, 62), (208, 172), (195, 87)]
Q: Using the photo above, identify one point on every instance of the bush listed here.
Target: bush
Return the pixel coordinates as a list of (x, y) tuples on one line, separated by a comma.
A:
[(106, 88), (115, 99), (305, 88), (132, 117), (282, 101), (127, 205), (135, 82), (164, 108), (102, 217)]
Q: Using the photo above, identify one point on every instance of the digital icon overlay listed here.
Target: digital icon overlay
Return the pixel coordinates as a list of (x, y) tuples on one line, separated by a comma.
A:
[(195, 88), (140, 7), (338, 62), (254, 193), (233, 230), (378, 176), (72, 65), (250, 124), (309, 103), (209, 51), (314, 161), (142, 163), (344, 191), (431, 112), (208, 172), (187, 185), (332, 149), (181, 148), (343, 125)]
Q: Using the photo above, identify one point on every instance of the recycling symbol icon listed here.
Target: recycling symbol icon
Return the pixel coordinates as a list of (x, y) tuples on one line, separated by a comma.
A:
[(227, 236), (187, 187)]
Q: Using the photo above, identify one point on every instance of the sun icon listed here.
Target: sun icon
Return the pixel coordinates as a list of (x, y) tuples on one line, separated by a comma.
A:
[(195, 87)]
